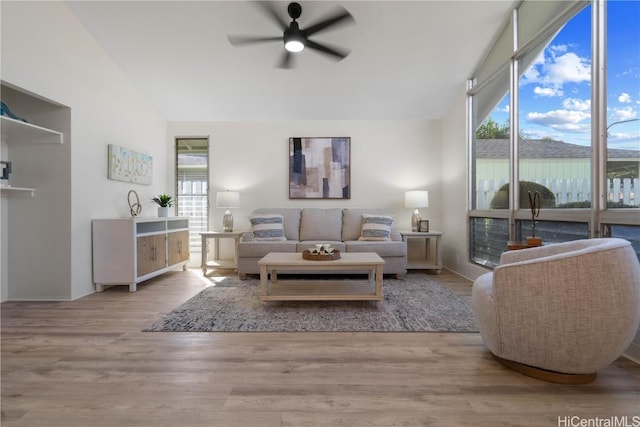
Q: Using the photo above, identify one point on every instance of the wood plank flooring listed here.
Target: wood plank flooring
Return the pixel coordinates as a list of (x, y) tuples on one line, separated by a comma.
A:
[(87, 363)]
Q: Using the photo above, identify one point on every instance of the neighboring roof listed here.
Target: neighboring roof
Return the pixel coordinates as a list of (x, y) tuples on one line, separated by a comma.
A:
[(544, 149)]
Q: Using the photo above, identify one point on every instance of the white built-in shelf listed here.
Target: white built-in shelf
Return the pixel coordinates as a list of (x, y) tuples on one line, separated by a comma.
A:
[(15, 191), (17, 131)]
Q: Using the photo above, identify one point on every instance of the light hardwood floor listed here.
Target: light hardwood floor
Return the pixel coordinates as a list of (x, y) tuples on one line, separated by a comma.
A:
[(87, 363)]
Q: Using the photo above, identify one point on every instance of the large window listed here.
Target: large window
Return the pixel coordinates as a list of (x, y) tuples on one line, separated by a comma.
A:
[(623, 102), (565, 129), (554, 117), (491, 160)]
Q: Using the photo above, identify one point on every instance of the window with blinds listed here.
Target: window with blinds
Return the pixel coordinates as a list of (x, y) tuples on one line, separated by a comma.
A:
[(192, 180)]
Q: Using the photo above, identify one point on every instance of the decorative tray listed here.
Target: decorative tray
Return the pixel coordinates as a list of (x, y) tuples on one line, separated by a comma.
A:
[(321, 257)]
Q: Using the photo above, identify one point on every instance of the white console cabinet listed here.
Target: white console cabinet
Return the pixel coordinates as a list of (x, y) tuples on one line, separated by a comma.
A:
[(130, 250)]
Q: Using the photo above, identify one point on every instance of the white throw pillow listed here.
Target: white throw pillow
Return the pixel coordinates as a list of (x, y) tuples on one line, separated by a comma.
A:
[(376, 227), (267, 227)]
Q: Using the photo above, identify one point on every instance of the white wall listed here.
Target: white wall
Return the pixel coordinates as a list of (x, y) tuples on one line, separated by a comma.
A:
[(455, 159), (47, 51), (387, 158)]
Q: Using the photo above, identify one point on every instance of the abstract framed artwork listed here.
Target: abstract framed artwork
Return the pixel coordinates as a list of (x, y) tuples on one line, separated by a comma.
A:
[(320, 168), (129, 166)]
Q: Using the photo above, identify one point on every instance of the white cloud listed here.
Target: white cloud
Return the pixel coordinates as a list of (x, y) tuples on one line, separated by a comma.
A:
[(568, 68), (624, 113), (532, 75), (548, 91), (624, 98), (562, 120), (559, 48), (554, 67), (577, 104)]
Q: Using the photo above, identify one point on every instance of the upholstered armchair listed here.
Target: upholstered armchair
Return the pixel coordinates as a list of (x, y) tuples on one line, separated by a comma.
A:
[(560, 312)]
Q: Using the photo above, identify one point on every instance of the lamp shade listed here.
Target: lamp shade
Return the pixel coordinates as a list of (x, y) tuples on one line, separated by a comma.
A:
[(227, 199), (416, 199)]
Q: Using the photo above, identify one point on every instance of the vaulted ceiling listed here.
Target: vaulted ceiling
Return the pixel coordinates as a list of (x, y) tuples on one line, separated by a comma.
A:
[(408, 59)]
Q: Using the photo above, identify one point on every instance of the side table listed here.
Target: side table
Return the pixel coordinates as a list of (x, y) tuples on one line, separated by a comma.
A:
[(216, 236), (421, 257)]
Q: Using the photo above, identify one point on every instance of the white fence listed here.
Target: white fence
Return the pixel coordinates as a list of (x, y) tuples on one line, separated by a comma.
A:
[(565, 190)]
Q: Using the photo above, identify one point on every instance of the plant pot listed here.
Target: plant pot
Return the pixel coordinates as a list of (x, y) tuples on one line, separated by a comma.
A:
[(163, 211)]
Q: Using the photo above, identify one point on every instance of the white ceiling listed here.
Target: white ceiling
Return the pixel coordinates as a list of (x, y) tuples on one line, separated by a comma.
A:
[(407, 61)]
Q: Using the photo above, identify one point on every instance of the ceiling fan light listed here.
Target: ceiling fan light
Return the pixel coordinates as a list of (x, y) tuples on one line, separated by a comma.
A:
[(294, 46), (293, 39)]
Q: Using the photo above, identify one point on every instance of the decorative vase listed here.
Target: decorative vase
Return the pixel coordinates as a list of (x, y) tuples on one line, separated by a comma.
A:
[(163, 211)]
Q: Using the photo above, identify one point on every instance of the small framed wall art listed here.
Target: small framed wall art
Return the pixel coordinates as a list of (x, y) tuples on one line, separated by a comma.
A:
[(423, 225), (129, 166), (320, 168)]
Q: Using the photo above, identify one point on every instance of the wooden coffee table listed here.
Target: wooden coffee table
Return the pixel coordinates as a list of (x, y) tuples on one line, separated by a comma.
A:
[(272, 289)]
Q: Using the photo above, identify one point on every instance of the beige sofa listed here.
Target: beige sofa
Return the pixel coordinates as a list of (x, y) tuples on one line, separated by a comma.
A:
[(303, 228), (563, 311)]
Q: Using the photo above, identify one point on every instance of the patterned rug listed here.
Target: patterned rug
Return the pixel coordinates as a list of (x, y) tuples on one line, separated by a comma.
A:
[(416, 303)]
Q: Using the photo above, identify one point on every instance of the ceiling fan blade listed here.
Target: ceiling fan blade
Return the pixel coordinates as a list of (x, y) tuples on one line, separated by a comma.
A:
[(270, 11), (242, 40), (286, 61), (341, 16), (335, 52)]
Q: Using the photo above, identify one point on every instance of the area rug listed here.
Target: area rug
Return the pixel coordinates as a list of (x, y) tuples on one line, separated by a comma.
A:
[(416, 303)]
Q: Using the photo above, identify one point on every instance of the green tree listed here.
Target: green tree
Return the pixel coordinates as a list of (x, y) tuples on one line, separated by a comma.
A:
[(490, 129)]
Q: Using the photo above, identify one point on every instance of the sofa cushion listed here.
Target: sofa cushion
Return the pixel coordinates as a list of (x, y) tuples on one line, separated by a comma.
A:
[(352, 221), (291, 220), (382, 248), (321, 224), (267, 227), (376, 227), (262, 248)]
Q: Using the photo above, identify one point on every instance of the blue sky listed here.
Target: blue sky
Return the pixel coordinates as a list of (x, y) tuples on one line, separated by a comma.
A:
[(555, 93)]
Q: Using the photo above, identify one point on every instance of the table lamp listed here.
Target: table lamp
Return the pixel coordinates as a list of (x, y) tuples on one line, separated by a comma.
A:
[(227, 199), (416, 199)]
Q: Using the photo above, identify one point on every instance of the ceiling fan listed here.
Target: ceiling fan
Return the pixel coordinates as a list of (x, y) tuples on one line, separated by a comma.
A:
[(294, 38)]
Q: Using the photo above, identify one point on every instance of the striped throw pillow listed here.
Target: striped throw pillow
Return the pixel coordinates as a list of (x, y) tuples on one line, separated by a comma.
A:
[(267, 227), (376, 227)]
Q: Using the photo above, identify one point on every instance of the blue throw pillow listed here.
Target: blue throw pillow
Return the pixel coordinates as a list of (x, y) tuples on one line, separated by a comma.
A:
[(267, 227), (376, 227)]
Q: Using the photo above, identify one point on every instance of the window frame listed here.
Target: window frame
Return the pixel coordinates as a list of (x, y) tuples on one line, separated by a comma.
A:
[(598, 217)]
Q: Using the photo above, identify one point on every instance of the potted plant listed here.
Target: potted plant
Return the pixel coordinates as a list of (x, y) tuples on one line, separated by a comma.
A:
[(164, 203)]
